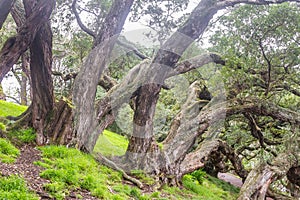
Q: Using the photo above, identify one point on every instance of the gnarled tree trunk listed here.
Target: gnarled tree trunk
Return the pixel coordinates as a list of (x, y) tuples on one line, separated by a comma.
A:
[(40, 71), (260, 178), (86, 82)]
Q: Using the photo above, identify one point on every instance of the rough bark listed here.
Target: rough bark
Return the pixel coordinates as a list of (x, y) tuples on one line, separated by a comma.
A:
[(40, 71), (259, 179), (5, 7), (15, 46), (86, 81)]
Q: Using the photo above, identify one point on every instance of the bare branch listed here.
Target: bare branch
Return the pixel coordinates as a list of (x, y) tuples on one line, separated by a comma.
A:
[(132, 48), (254, 2), (80, 23)]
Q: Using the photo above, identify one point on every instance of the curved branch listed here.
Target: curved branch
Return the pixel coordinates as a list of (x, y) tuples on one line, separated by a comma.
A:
[(132, 48), (103, 160), (197, 159), (80, 23), (196, 123), (14, 47)]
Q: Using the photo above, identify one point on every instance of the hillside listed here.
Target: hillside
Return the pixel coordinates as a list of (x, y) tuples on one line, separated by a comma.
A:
[(30, 172)]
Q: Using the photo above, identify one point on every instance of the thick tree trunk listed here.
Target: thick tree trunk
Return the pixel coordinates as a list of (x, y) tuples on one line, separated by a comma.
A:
[(142, 140), (86, 81), (42, 85), (41, 80), (164, 61)]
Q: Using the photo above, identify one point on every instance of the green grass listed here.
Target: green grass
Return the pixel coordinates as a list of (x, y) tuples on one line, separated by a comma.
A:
[(14, 187), (8, 152), (197, 185), (69, 169), (10, 109), (111, 144), (27, 135), (210, 190)]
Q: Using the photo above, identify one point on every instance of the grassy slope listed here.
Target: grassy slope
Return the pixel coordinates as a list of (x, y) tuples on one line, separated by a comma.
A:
[(111, 144), (10, 109), (69, 169)]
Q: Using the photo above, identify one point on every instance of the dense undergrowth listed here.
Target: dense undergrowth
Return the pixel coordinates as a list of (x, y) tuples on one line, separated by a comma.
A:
[(71, 170)]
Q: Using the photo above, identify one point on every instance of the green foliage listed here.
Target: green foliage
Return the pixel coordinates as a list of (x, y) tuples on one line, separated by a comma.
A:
[(259, 44), (110, 143), (8, 152), (163, 17), (14, 187), (10, 109), (69, 169), (199, 176)]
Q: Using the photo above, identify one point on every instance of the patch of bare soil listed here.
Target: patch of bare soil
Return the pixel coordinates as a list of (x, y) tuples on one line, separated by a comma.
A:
[(30, 172)]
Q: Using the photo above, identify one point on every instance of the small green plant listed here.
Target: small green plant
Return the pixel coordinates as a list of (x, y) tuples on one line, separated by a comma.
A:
[(8, 152), (23, 135), (207, 189), (14, 187), (2, 126), (27, 135), (56, 189), (110, 144), (199, 175)]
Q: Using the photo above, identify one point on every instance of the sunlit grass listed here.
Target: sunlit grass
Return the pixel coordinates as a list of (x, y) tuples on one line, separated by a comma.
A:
[(10, 109), (111, 144)]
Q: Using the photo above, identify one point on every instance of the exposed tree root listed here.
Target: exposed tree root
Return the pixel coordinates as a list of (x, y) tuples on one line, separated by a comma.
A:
[(105, 161)]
